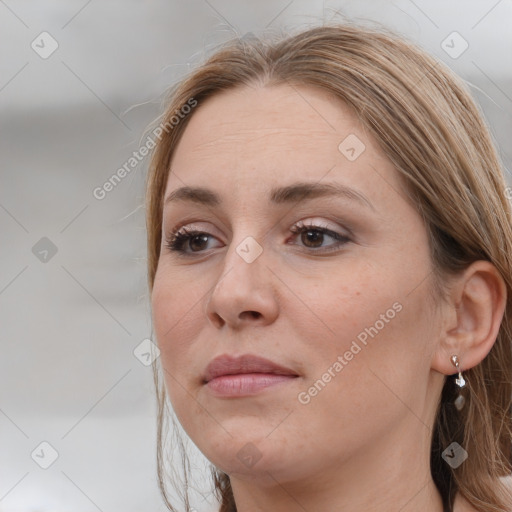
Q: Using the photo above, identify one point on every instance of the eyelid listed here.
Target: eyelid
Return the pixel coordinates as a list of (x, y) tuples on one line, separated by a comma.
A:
[(319, 222), (191, 226), (315, 222)]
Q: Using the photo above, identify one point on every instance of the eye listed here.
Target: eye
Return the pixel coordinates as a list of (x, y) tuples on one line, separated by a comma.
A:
[(313, 236), (186, 242), (196, 240)]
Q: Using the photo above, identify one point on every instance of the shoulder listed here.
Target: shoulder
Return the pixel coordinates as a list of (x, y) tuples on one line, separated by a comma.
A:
[(462, 505), (507, 480)]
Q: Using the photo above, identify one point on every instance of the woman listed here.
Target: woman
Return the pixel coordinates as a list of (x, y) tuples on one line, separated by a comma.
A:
[(329, 263)]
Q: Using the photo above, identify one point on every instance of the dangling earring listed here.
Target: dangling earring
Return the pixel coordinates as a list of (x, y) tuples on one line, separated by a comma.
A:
[(460, 400)]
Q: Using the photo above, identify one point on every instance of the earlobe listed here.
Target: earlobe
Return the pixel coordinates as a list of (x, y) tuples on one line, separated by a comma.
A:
[(472, 318)]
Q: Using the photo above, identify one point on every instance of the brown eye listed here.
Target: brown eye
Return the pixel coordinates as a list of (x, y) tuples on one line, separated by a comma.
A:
[(187, 242), (313, 236), (198, 242)]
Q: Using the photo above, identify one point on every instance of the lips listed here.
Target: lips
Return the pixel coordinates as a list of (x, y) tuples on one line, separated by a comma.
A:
[(228, 365)]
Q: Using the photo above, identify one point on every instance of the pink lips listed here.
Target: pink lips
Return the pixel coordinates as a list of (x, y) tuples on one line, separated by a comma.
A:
[(244, 375)]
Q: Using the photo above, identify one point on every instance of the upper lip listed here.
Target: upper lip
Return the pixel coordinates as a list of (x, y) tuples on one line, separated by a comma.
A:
[(229, 365)]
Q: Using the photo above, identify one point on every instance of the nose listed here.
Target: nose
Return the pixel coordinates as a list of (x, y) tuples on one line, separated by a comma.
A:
[(244, 292)]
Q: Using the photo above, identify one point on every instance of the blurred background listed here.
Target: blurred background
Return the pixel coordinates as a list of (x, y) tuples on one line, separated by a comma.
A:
[(80, 81)]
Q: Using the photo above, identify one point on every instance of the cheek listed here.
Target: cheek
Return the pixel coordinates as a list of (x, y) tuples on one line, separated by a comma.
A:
[(175, 331), (363, 320), (176, 308), (364, 368), (338, 305)]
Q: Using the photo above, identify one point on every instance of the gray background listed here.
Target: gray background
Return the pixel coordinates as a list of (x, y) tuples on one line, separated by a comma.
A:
[(70, 321)]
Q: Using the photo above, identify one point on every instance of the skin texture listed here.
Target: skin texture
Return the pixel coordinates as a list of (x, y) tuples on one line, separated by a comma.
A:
[(363, 441)]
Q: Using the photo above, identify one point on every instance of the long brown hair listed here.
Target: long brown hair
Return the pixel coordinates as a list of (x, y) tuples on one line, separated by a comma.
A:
[(426, 122)]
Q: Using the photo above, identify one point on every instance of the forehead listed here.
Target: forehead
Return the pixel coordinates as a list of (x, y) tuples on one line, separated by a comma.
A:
[(262, 135), (246, 117)]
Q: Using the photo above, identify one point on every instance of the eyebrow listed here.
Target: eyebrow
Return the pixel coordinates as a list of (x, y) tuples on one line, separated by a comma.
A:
[(281, 195)]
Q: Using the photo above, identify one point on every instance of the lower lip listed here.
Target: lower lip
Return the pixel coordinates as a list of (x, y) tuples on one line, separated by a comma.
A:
[(246, 383)]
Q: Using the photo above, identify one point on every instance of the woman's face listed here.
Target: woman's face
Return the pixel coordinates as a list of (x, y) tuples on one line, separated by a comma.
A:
[(267, 276)]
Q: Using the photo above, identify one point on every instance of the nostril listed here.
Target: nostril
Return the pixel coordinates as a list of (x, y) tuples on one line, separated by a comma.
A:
[(254, 314)]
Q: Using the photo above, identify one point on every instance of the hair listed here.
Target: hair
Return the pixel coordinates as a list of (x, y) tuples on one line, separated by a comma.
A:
[(426, 122)]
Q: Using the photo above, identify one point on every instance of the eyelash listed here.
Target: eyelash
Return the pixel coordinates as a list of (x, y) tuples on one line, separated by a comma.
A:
[(177, 239)]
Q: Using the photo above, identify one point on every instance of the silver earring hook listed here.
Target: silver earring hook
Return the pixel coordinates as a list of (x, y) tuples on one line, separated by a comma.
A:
[(460, 379)]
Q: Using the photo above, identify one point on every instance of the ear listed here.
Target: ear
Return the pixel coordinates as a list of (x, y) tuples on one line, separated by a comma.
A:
[(472, 317)]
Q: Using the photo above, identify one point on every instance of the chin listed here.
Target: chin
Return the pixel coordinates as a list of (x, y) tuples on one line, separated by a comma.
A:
[(250, 456)]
